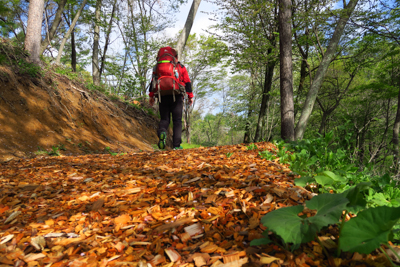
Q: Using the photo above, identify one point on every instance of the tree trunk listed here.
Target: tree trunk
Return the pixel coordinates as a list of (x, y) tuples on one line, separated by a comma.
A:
[(66, 36), (188, 26), (246, 138), (123, 72), (323, 123), (396, 129), (322, 69), (52, 31), (96, 40), (269, 73), (103, 58), (286, 70), (73, 51), (34, 29)]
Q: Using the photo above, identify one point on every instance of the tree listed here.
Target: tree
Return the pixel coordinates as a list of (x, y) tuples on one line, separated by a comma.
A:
[(54, 26), (323, 67), (96, 38), (188, 26), (383, 21), (34, 30), (286, 76), (71, 28), (249, 27)]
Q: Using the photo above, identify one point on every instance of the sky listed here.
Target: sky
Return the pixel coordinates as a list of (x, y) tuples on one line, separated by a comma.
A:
[(201, 20)]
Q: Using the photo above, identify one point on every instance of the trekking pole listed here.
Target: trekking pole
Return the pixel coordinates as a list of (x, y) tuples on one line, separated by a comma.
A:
[(184, 111)]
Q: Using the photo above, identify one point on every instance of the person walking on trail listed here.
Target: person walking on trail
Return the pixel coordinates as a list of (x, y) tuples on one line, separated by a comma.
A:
[(169, 85)]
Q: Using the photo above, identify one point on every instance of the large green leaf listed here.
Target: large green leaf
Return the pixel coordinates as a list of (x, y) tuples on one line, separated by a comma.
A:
[(288, 225), (369, 229), (329, 209)]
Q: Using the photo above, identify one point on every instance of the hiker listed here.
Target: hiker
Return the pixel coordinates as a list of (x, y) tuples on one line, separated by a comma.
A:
[(170, 82)]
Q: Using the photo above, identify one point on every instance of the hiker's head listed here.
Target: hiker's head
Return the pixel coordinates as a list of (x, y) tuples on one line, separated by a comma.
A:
[(167, 51)]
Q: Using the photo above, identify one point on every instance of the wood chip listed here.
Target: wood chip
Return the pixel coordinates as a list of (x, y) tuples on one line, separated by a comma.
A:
[(172, 254), (194, 229), (6, 238), (97, 204), (12, 216), (170, 226), (33, 257)]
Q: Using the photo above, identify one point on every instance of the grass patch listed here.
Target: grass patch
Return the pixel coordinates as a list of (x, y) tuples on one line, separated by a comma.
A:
[(187, 146)]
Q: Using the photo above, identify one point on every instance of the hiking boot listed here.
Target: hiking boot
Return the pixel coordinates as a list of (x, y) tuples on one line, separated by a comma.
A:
[(162, 141), (178, 148)]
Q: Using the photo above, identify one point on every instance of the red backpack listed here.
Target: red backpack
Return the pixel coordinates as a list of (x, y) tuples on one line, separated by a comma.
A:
[(166, 74)]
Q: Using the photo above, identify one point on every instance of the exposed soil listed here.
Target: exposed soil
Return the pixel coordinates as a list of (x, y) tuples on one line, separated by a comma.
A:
[(37, 114)]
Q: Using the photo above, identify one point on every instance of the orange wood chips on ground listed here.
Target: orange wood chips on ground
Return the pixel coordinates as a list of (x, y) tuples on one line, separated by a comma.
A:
[(195, 207)]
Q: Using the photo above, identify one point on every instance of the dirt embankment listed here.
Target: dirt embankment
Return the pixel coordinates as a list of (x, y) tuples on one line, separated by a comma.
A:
[(39, 114)]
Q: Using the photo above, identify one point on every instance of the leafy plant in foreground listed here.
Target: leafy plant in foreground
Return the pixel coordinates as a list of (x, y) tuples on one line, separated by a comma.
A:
[(368, 231), (252, 146)]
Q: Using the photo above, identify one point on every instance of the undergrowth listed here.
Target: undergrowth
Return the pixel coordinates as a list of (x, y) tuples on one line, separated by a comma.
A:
[(16, 58), (323, 165), (187, 146)]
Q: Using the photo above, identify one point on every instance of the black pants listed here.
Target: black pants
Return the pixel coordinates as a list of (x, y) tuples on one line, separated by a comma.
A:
[(168, 107)]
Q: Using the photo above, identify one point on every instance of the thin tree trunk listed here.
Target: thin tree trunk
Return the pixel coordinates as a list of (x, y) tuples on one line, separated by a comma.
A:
[(246, 138), (322, 69), (52, 31), (323, 123), (66, 36), (188, 26), (269, 73), (73, 51), (73, 45), (96, 40), (103, 58), (286, 70), (396, 129), (123, 72), (33, 30)]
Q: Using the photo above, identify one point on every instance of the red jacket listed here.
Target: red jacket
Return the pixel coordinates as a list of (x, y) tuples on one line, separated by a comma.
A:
[(183, 77)]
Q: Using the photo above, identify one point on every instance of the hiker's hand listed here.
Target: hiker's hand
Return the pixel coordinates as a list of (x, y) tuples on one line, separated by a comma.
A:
[(151, 101), (190, 101)]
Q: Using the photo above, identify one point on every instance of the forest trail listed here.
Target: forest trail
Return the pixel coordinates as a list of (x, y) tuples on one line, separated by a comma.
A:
[(195, 207), (37, 114), (115, 209), (145, 208)]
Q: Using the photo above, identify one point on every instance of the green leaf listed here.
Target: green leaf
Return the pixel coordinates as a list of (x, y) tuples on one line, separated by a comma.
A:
[(380, 199), (329, 209), (323, 180), (335, 177), (261, 241), (384, 180), (356, 199), (294, 229), (369, 229), (303, 181)]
